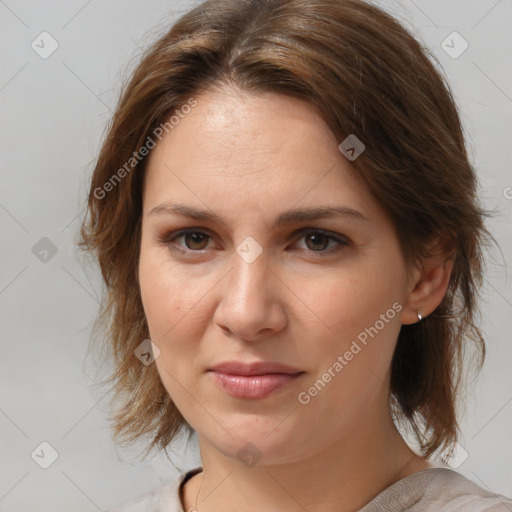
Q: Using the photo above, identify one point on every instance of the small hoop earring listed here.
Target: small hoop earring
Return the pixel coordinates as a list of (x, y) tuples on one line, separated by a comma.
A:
[(419, 316)]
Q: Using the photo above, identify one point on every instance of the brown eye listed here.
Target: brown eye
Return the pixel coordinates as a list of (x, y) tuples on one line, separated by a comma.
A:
[(322, 243), (186, 241), (317, 241), (196, 240)]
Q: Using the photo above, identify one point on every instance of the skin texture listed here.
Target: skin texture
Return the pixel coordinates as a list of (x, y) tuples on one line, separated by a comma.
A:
[(247, 158)]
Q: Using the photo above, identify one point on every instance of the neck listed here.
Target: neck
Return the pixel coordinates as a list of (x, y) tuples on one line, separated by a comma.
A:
[(347, 475)]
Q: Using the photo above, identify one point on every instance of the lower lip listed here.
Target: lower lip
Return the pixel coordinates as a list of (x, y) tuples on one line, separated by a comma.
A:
[(253, 386)]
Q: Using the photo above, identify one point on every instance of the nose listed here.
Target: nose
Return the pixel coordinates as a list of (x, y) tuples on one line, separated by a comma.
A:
[(251, 306)]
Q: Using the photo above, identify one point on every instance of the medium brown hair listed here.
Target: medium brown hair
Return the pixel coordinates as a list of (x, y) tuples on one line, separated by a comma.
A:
[(367, 76)]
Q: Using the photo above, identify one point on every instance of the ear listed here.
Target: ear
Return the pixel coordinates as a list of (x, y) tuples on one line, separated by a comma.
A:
[(427, 287)]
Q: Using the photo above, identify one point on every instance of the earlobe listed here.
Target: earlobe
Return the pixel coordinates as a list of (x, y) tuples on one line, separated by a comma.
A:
[(429, 289)]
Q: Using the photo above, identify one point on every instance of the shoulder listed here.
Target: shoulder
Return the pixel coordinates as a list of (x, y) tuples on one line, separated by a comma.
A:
[(165, 498), (438, 489), (454, 492)]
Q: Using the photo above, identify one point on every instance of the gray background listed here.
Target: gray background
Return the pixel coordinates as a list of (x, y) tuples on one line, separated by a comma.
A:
[(53, 115)]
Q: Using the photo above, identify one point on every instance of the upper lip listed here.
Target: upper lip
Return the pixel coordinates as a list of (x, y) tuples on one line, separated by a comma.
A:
[(255, 368)]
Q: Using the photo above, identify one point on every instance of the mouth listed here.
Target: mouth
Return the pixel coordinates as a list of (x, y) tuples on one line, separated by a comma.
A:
[(254, 380)]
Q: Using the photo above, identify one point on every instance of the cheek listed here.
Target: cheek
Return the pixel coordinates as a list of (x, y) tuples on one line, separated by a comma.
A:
[(168, 303), (166, 294), (174, 303), (157, 300), (361, 311), (354, 300), (351, 362)]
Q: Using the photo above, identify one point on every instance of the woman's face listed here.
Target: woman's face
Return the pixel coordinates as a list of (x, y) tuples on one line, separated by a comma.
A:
[(269, 273)]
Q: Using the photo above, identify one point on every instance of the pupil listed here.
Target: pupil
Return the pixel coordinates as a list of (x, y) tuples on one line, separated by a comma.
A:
[(194, 238), (316, 237)]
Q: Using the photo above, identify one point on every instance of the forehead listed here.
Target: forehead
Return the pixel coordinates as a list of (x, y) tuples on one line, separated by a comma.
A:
[(232, 125), (250, 150)]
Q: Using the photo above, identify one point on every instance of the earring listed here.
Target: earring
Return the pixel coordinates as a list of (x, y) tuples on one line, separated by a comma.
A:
[(419, 316)]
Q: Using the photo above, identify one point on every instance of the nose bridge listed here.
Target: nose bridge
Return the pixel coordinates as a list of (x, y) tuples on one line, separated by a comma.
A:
[(248, 303), (249, 276)]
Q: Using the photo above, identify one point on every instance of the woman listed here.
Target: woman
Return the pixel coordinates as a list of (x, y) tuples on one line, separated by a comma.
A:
[(286, 221)]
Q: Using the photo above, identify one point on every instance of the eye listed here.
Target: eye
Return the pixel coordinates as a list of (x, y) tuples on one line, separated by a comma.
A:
[(318, 241), (194, 240)]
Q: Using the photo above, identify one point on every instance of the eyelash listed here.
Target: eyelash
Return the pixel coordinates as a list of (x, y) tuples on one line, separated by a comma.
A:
[(169, 241)]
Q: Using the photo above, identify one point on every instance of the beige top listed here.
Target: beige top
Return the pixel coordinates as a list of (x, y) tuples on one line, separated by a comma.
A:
[(430, 490)]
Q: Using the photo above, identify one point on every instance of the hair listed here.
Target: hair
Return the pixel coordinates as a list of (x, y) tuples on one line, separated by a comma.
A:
[(366, 75)]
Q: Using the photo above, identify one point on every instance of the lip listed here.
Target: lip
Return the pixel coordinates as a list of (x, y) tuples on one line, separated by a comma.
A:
[(254, 368), (253, 380)]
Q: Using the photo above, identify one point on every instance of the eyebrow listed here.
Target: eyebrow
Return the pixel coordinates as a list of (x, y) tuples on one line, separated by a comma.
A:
[(288, 217)]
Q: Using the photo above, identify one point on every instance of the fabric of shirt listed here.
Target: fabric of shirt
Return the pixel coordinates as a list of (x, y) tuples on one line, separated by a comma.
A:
[(431, 490)]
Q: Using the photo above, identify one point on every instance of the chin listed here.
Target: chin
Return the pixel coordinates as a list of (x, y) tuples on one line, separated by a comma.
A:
[(261, 440)]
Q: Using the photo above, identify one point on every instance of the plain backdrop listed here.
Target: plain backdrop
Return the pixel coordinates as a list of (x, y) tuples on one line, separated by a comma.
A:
[(54, 108)]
